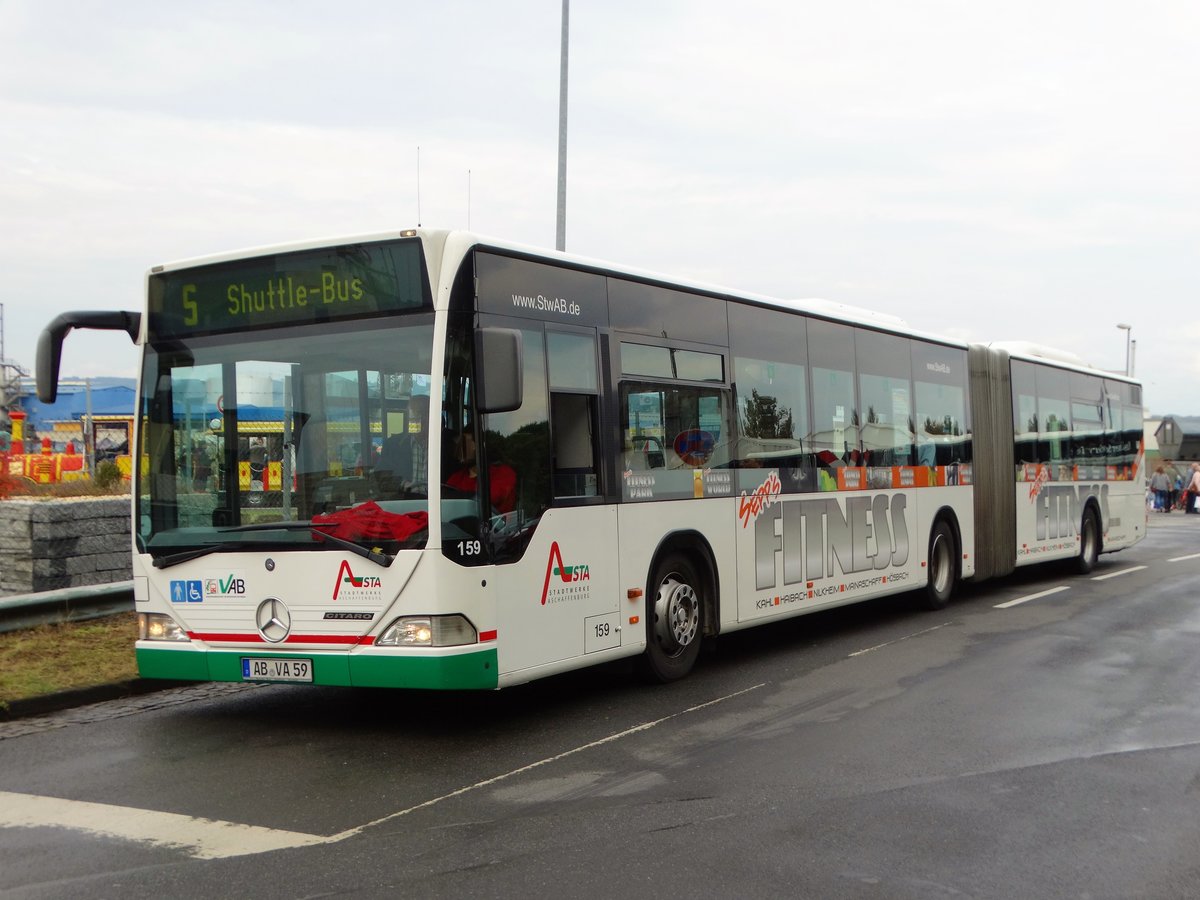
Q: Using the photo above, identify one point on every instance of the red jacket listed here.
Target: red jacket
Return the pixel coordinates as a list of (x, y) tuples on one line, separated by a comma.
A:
[(501, 477)]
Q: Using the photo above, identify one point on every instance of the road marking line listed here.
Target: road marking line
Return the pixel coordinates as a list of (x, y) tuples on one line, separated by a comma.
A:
[(201, 838), (214, 839), (1036, 596), (1115, 574), (645, 726), (1182, 558), (897, 640)]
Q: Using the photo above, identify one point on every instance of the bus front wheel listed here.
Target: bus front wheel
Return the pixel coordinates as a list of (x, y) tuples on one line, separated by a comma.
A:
[(674, 617), (943, 566)]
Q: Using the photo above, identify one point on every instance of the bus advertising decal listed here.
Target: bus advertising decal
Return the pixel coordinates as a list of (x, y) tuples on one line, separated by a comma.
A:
[(638, 486), (813, 591), (366, 587), (871, 534), (764, 495), (713, 483), (1058, 508), (570, 579), (861, 478), (1040, 477)]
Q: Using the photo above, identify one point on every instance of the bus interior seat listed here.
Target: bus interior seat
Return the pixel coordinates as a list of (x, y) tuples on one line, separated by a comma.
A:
[(648, 452)]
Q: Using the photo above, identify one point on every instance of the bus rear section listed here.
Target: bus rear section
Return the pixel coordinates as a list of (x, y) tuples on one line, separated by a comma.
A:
[(1063, 475)]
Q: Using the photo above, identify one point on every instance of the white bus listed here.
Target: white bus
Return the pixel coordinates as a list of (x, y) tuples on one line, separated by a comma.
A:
[(479, 464)]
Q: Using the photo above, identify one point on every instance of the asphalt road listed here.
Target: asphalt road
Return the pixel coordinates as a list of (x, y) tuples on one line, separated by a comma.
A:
[(1046, 748)]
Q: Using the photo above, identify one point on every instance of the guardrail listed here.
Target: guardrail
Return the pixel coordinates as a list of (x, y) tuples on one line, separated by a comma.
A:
[(76, 604)]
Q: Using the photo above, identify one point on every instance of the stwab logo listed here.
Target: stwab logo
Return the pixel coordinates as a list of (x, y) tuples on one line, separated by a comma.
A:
[(548, 305), (569, 578), (358, 587)]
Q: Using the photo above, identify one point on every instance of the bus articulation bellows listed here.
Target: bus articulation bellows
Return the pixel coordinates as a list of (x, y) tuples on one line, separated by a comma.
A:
[(426, 459)]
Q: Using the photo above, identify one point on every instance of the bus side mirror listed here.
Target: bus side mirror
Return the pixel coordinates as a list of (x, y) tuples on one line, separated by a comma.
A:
[(50, 341), (499, 384)]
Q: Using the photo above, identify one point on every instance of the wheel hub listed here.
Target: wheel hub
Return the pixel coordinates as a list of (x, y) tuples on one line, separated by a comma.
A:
[(676, 614)]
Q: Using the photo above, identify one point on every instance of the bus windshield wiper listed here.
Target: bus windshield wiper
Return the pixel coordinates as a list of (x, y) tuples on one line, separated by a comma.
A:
[(174, 559), (374, 554)]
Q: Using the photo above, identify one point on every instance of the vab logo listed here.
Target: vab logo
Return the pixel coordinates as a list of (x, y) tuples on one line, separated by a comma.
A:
[(346, 577), (232, 585), (566, 574)]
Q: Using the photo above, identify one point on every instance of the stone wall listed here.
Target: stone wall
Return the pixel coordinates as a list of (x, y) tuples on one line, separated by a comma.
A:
[(51, 544)]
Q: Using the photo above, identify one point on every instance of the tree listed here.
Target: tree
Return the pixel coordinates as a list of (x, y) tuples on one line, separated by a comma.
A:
[(762, 417)]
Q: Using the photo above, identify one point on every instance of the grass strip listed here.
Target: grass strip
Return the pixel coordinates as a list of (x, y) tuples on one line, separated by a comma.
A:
[(67, 656)]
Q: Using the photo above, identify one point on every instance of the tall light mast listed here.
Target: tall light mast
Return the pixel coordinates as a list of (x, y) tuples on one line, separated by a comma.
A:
[(560, 241)]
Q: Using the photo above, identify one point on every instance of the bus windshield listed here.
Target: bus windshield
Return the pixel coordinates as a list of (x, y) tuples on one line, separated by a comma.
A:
[(244, 431)]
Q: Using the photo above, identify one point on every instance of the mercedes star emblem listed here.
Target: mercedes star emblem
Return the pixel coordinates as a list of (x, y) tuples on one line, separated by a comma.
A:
[(274, 620)]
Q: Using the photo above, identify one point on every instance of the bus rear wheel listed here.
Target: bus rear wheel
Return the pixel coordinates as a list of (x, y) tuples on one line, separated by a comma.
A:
[(943, 566), (675, 617), (1089, 542)]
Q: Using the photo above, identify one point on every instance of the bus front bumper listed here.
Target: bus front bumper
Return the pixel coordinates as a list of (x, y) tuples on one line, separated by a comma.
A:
[(473, 670)]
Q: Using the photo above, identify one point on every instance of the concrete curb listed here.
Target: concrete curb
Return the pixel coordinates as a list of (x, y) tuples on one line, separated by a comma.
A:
[(50, 703)]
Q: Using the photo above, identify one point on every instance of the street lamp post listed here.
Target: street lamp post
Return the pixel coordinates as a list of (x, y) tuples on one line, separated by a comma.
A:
[(560, 236), (1127, 329)]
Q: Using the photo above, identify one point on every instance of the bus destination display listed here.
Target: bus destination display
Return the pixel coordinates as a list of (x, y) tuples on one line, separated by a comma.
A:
[(289, 289)]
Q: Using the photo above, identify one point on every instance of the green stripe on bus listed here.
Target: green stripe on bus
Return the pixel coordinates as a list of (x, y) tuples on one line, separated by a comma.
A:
[(182, 665), (465, 671)]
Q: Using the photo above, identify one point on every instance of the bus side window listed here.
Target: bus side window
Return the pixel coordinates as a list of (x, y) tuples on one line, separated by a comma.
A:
[(573, 422), (642, 413)]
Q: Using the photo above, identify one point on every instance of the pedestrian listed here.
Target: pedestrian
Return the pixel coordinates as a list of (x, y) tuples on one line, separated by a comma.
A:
[(1193, 489), (1160, 484)]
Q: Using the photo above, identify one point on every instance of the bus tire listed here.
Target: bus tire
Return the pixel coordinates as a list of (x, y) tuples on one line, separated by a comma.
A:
[(943, 566), (674, 619), (1089, 541)]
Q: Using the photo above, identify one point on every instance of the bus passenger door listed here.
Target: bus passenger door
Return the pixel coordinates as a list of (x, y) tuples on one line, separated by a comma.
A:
[(556, 553)]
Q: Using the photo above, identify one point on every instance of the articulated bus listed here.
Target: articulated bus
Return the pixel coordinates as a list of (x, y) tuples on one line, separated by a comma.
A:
[(492, 464)]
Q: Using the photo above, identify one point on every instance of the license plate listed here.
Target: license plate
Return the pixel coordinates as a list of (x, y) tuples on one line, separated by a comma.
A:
[(276, 669)]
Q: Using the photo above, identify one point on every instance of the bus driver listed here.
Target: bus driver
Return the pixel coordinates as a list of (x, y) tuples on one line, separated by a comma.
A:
[(502, 477)]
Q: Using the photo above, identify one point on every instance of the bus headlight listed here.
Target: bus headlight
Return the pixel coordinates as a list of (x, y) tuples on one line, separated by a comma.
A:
[(159, 627), (428, 631)]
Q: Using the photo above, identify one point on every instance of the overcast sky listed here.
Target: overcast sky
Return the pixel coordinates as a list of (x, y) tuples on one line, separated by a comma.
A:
[(1025, 170)]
